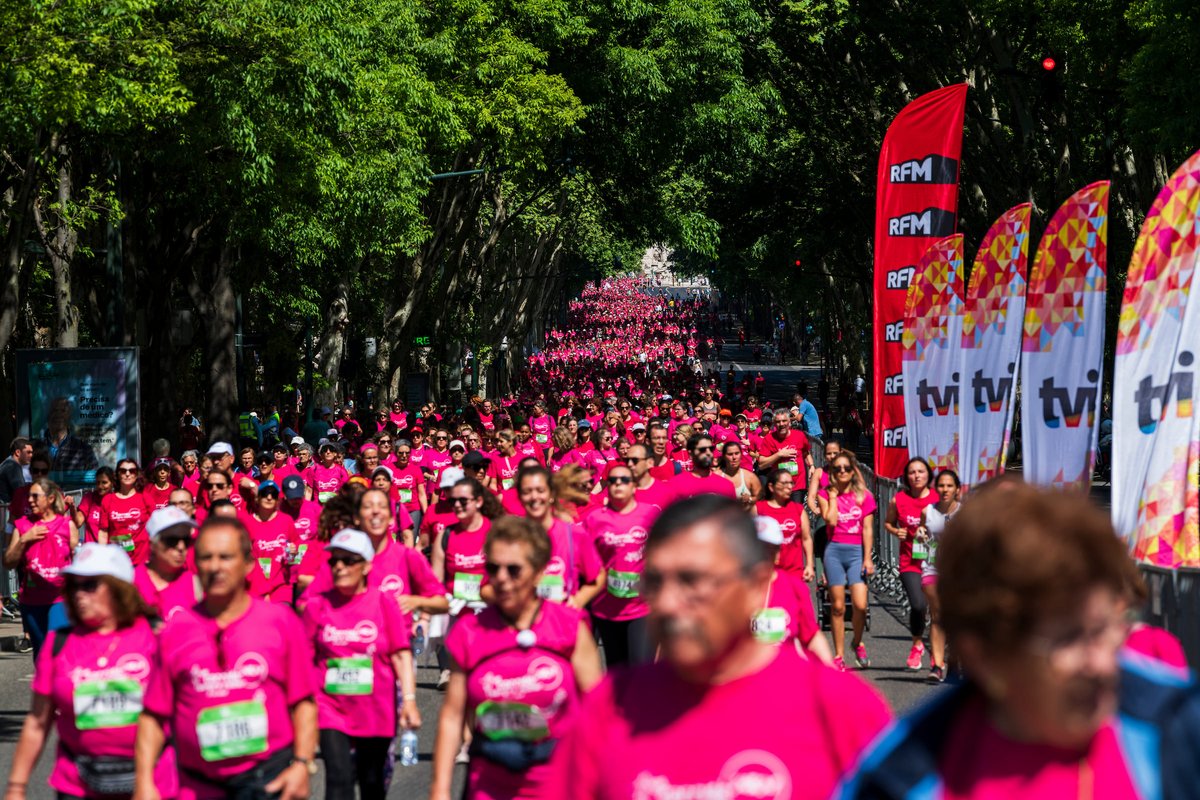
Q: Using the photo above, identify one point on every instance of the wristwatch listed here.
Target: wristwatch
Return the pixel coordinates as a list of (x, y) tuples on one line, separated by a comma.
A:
[(310, 764)]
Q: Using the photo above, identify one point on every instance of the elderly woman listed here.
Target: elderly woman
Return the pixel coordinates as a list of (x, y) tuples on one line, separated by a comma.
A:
[(515, 720), (41, 547), (89, 683), (1034, 590)]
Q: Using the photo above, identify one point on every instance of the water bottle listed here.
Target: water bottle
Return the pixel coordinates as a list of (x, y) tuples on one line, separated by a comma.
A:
[(408, 748), (418, 642)]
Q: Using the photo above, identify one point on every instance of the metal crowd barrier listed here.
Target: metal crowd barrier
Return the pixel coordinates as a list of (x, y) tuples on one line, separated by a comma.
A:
[(1174, 605)]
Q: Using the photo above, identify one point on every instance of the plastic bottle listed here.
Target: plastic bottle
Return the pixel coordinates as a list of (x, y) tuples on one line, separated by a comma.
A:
[(408, 748), (418, 642)]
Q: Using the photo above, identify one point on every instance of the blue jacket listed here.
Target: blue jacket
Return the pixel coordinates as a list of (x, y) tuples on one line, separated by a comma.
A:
[(1159, 731)]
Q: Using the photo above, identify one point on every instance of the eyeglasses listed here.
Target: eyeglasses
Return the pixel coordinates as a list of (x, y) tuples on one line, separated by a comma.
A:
[(694, 587), (440, 438), (841, 469), (221, 485), (460, 501), (183, 504), (38, 496), (385, 441), (513, 571), (127, 470), (174, 541), (87, 585), (619, 480), (631, 460), (349, 561)]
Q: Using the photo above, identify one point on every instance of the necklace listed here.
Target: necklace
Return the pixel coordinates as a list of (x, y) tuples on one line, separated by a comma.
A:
[(102, 661), (526, 638)]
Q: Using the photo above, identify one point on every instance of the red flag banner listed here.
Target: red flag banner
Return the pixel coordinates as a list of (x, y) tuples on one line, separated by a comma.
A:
[(916, 203)]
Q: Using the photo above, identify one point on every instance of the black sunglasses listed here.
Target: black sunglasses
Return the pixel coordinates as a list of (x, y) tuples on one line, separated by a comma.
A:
[(512, 570), (221, 485), (171, 542), (619, 480), (87, 585), (460, 501), (349, 561)]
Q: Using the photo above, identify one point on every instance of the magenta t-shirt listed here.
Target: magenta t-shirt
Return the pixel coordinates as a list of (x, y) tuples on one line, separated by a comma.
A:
[(353, 640), (980, 763), (439, 516), (304, 519), (125, 520), (908, 514), (325, 481), (572, 558), (851, 513), (43, 562), (790, 730), (93, 512), (396, 570), (269, 539), (96, 685), (620, 540), (167, 601), (405, 481), (516, 693), (660, 494), (791, 553), (686, 484), (464, 561), (787, 613), (229, 692)]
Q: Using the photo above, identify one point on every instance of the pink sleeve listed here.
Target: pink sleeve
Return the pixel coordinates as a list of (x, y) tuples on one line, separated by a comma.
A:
[(396, 625), (456, 644), (574, 771), (421, 576), (299, 667), (587, 560), (43, 675), (308, 618), (868, 504), (404, 518), (160, 694)]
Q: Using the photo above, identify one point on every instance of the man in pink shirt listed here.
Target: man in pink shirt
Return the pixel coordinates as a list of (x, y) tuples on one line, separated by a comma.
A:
[(720, 714), (233, 683), (647, 489), (703, 479), (784, 448)]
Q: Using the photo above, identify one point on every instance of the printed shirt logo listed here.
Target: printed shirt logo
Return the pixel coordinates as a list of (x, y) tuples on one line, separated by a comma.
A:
[(635, 535), (248, 672), (467, 561), (392, 584), (749, 775), (788, 526), (364, 632), (544, 675), (131, 666)]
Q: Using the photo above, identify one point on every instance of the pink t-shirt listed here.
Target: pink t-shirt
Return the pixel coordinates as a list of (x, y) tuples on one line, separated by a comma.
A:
[(304, 519), (464, 561), (850, 516), (325, 481), (269, 540), (791, 553), (908, 513), (157, 498), (229, 692), (405, 481), (516, 693), (353, 640), (1158, 644), (167, 601), (125, 520), (439, 516), (43, 561), (980, 763), (559, 459), (659, 494), (93, 513), (687, 484), (619, 540), (790, 730), (769, 446), (542, 427), (395, 570), (572, 558), (503, 470), (787, 614), (96, 685)]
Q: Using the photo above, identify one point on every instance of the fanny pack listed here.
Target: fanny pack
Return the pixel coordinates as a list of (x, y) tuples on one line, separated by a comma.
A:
[(513, 754), (105, 774), (251, 784)]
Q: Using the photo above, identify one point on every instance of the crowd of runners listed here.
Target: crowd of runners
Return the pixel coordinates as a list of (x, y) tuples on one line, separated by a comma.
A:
[(617, 581)]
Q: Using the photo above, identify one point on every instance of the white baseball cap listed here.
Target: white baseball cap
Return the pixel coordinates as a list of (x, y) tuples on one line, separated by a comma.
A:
[(297, 440), (93, 559), (385, 469), (456, 443), (637, 426), (224, 448), (167, 517), (352, 541), (769, 531), (450, 476)]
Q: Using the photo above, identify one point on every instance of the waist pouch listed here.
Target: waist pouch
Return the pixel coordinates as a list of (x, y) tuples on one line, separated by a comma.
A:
[(251, 784), (105, 774), (513, 754)]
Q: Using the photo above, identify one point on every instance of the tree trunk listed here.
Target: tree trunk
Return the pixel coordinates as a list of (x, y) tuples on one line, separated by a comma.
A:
[(20, 223), (333, 344), (59, 239)]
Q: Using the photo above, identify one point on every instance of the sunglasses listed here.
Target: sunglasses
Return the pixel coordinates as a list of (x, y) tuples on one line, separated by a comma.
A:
[(708, 449), (173, 542), (619, 480), (460, 501), (87, 585), (385, 441), (349, 561), (631, 460), (513, 571), (842, 469), (125, 471), (268, 495), (221, 485)]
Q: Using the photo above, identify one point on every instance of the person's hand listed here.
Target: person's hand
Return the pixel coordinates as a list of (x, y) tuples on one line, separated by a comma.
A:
[(809, 574), (144, 790), (408, 603), (35, 534), (410, 715), (69, 500), (292, 783), (902, 534), (868, 567), (922, 534)]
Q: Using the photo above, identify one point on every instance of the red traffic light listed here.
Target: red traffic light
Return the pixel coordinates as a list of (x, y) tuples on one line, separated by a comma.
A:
[(1049, 64), (797, 262)]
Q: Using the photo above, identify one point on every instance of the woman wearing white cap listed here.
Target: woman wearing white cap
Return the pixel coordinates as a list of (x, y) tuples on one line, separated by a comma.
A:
[(165, 582), (89, 684), (41, 547), (787, 613), (361, 641)]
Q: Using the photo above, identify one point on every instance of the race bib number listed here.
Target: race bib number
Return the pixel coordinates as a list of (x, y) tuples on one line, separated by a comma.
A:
[(232, 730), (791, 466), (507, 483), (265, 565), (298, 556), (541, 438), (125, 542), (406, 495), (624, 585), (552, 587), (467, 586), (353, 675), (931, 557), (770, 625), (107, 704), (919, 551), (325, 497), (521, 721)]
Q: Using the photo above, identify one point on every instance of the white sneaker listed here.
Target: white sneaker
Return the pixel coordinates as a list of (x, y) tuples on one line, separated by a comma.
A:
[(443, 679)]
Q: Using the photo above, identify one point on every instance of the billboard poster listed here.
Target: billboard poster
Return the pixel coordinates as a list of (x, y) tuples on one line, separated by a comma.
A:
[(82, 405)]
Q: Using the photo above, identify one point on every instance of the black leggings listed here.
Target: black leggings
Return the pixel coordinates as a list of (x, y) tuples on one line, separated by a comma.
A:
[(368, 765), (916, 602), (625, 642)]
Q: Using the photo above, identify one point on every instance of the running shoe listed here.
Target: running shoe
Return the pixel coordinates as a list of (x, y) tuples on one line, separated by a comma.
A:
[(914, 657), (443, 679), (860, 655), (838, 664), (24, 645), (937, 674)]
